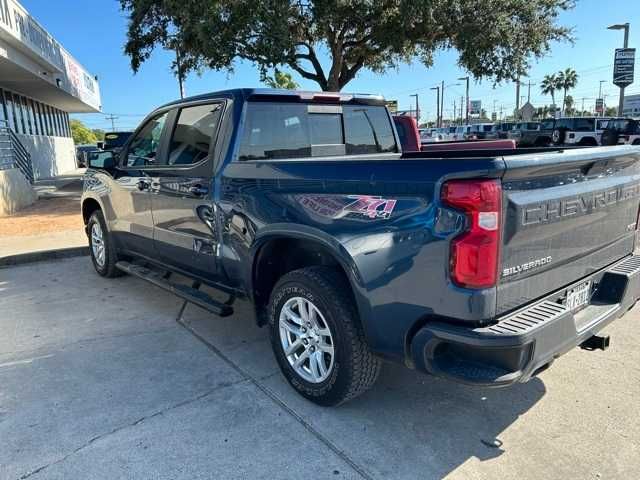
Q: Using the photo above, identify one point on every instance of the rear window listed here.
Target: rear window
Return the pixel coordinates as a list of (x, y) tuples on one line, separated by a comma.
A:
[(281, 131)]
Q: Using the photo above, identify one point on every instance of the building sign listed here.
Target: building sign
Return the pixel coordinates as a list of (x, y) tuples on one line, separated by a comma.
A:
[(599, 105), (476, 107), (54, 63), (623, 66), (392, 105)]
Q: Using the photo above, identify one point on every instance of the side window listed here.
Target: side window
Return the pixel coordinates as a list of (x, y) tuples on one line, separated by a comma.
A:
[(367, 130), (193, 133), (143, 149)]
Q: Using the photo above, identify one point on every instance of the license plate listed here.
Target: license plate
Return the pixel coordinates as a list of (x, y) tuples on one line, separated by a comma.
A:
[(579, 296)]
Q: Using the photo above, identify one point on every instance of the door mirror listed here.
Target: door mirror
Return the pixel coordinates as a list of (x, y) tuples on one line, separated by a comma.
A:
[(101, 160)]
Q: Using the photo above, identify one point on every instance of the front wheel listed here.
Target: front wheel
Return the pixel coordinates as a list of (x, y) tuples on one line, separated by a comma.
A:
[(101, 247), (317, 338)]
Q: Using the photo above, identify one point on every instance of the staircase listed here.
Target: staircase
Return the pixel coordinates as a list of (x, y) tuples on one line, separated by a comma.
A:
[(12, 152)]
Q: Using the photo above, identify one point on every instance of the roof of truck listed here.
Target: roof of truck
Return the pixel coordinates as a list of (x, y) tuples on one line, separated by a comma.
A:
[(300, 95)]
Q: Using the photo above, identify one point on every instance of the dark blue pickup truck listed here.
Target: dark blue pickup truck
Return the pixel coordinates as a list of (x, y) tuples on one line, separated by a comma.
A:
[(480, 266)]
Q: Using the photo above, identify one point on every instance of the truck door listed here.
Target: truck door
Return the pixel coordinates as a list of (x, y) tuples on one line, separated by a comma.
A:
[(185, 225), (133, 222)]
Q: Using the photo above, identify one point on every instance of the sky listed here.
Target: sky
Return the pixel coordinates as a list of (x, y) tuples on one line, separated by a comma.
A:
[(94, 32)]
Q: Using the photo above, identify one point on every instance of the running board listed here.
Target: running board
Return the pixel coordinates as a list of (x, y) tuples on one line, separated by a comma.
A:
[(189, 294)]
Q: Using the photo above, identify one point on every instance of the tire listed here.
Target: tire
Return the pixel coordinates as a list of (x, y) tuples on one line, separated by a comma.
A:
[(636, 141), (558, 136), (105, 264), (609, 137), (352, 369)]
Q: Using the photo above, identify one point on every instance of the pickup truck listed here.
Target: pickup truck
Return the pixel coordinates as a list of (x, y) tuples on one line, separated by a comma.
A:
[(479, 266)]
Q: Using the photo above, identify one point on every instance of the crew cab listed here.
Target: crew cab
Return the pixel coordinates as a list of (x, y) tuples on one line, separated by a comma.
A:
[(479, 266)]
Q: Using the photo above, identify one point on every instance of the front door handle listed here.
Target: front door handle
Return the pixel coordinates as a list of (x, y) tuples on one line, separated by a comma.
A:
[(198, 190)]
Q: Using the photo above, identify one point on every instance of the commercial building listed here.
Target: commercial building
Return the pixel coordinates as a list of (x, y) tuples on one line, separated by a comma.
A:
[(40, 85), (631, 106)]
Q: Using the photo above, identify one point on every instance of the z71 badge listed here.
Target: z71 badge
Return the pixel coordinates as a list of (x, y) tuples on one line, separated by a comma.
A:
[(372, 207)]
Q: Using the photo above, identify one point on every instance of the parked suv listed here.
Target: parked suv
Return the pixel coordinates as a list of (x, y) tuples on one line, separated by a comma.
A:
[(501, 130), (479, 131), (532, 134), (578, 130), (622, 131), (481, 267)]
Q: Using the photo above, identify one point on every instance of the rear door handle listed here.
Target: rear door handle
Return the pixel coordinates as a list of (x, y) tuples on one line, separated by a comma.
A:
[(198, 190)]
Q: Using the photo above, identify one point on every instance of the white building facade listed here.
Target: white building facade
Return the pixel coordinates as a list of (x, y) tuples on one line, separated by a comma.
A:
[(631, 106), (40, 85)]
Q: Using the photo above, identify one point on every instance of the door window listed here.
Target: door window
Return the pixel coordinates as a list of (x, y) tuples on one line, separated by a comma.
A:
[(193, 134), (143, 149)]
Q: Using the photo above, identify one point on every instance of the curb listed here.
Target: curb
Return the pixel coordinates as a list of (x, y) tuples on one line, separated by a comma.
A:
[(32, 257)]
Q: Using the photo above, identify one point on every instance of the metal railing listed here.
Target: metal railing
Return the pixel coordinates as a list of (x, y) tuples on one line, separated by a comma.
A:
[(12, 152)]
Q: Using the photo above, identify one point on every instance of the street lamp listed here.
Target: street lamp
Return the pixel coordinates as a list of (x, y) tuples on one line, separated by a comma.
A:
[(437, 88), (625, 27), (443, 86), (467, 106)]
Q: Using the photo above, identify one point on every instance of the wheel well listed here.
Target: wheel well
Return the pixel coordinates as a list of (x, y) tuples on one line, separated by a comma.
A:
[(636, 141), (280, 256), (588, 141), (88, 207)]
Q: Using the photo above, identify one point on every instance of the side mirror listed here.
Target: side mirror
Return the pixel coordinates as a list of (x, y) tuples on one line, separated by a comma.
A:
[(100, 145), (101, 160)]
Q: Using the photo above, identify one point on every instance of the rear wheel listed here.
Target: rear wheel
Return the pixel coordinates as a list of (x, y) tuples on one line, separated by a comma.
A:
[(558, 136), (317, 338), (101, 247)]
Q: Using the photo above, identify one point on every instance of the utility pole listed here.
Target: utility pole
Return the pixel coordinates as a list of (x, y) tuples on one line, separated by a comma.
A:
[(442, 101), (582, 109), (467, 95), (600, 97), (437, 89), (461, 102), (417, 108), (494, 105), (529, 91), (518, 94), (625, 27), (455, 112), (113, 118)]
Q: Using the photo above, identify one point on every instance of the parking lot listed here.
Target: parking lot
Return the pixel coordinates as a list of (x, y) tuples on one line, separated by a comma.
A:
[(99, 380)]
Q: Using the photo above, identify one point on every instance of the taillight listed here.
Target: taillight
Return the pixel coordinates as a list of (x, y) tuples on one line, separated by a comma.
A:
[(475, 252)]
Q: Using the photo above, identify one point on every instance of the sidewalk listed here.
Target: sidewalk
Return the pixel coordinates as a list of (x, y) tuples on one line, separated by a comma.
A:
[(54, 222)]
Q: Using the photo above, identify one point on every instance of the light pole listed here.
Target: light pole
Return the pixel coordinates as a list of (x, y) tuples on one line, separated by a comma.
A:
[(437, 89), (442, 95), (625, 27), (600, 97), (467, 98), (417, 108)]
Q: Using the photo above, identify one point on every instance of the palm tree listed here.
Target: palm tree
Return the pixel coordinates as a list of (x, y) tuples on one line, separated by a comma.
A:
[(566, 80), (549, 86)]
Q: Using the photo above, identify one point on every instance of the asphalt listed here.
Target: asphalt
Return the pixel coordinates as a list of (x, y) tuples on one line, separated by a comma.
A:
[(98, 379)]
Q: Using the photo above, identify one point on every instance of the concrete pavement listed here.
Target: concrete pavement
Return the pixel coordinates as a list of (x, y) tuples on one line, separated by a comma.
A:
[(98, 380)]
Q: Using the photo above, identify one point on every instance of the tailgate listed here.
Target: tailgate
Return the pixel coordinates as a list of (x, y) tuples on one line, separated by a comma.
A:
[(566, 215)]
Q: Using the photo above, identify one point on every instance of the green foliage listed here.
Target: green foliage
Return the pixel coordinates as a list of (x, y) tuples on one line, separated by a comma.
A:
[(81, 134), (99, 133), (549, 86), (567, 80), (494, 38), (280, 80)]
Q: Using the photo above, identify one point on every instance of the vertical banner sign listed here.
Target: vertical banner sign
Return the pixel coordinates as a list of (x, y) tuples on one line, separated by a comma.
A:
[(599, 105), (476, 107), (623, 66)]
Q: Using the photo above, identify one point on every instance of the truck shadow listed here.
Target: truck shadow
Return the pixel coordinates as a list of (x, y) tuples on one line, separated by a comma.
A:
[(408, 425)]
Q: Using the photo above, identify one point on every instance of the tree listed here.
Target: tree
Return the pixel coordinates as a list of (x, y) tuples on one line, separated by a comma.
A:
[(566, 80), (280, 80), (495, 38), (568, 105), (81, 133), (99, 133), (611, 112), (549, 86)]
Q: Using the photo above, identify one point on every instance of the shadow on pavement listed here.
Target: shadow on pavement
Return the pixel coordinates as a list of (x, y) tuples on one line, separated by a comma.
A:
[(408, 424)]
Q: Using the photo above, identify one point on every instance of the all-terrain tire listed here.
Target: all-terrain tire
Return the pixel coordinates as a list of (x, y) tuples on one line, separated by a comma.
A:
[(355, 368)]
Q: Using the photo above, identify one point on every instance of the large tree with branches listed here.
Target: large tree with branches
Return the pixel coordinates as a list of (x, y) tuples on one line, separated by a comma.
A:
[(329, 42)]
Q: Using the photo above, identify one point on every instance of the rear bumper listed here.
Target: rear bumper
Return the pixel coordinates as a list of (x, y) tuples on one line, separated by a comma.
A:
[(525, 342)]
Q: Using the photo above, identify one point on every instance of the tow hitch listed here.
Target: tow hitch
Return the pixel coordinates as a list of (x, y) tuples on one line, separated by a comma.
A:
[(595, 343)]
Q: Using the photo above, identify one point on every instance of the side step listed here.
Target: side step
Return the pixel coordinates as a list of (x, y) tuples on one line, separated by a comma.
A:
[(190, 294)]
